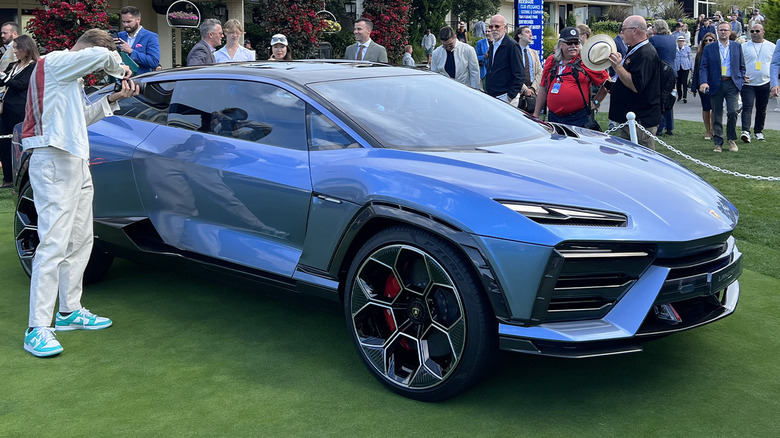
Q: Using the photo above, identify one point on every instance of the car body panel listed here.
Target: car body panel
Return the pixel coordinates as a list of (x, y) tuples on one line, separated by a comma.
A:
[(298, 216), (235, 200)]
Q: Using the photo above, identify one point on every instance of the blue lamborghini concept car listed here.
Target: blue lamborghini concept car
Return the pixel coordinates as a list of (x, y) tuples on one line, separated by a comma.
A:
[(449, 224)]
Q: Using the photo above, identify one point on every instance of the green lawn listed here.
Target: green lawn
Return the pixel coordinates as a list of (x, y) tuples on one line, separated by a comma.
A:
[(191, 357)]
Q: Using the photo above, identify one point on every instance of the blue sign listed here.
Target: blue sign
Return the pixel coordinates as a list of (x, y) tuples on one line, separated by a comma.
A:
[(530, 13)]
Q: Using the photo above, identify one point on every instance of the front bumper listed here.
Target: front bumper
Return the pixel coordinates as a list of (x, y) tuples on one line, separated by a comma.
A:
[(696, 300)]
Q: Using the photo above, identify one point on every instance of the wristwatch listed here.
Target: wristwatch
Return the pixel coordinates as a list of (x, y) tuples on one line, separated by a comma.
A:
[(596, 102)]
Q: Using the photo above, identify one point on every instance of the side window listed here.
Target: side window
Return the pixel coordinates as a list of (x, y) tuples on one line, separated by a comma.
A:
[(324, 134), (244, 110), (151, 105)]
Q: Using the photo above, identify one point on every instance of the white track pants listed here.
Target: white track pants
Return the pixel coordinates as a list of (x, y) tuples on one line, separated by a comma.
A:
[(62, 189)]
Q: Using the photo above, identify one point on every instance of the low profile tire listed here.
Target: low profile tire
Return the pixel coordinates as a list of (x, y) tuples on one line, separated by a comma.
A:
[(417, 314), (26, 237)]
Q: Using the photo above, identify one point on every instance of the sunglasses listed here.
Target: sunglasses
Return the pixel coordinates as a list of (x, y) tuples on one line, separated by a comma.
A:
[(495, 26), (572, 43), (755, 31)]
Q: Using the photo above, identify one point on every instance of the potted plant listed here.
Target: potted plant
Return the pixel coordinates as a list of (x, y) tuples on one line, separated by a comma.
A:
[(182, 18)]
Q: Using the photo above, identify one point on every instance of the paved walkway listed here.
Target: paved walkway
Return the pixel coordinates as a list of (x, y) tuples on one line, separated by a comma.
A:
[(692, 111)]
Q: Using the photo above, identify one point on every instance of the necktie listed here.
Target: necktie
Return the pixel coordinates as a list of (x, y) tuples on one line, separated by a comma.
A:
[(360, 53), (528, 80)]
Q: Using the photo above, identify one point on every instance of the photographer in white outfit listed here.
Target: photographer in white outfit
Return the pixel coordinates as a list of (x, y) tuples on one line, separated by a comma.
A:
[(55, 129)]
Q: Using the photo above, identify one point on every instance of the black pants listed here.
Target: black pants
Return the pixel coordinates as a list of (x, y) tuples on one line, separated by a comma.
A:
[(760, 95), (7, 122), (682, 84)]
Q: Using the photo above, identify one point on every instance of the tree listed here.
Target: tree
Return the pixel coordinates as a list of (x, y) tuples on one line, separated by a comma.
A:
[(650, 6), (469, 10), (60, 24), (299, 22), (427, 14), (391, 25), (771, 10)]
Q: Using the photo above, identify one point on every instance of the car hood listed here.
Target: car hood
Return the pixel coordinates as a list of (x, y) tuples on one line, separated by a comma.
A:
[(604, 173)]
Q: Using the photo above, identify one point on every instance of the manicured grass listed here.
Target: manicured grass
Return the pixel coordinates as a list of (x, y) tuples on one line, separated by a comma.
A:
[(188, 356)]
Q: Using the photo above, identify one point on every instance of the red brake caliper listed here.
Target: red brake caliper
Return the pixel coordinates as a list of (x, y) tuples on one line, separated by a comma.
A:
[(392, 289)]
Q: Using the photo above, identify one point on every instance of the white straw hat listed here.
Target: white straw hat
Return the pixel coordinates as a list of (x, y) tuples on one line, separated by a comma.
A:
[(595, 52)]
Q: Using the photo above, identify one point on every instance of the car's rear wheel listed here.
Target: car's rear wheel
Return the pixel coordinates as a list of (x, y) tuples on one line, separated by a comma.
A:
[(417, 314), (26, 237)]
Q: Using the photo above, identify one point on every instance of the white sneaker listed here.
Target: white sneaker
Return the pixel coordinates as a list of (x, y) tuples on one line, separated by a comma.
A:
[(40, 342), (745, 136), (760, 136), (81, 319)]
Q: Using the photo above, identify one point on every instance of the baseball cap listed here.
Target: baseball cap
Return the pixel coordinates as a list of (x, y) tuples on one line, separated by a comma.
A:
[(570, 33), (278, 39)]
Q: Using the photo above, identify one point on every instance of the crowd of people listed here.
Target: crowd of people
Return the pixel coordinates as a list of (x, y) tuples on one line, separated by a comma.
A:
[(737, 75)]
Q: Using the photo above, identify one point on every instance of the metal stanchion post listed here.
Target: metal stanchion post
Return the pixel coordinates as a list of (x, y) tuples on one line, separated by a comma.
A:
[(632, 126)]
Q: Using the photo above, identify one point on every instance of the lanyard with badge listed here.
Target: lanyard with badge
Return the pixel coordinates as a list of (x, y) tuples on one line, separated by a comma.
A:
[(758, 55), (630, 52), (723, 57), (556, 87)]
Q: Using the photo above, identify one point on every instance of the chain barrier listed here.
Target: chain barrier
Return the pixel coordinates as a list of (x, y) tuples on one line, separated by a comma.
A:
[(695, 160)]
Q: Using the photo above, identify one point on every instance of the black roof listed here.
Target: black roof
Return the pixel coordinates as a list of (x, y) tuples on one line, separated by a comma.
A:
[(299, 72)]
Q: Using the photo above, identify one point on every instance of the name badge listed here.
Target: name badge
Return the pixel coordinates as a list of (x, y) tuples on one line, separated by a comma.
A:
[(556, 88), (723, 70), (758, 65)]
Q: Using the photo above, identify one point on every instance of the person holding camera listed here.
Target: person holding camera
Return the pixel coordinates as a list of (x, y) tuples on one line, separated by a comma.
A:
[(142, 45), (55, 131)]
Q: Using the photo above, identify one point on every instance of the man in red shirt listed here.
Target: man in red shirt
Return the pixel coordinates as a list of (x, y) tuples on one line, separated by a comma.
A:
[(566, 82)]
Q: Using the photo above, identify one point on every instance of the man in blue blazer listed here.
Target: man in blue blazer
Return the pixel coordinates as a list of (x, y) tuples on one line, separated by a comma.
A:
[(504, 62), (142, 45), (721, 76)]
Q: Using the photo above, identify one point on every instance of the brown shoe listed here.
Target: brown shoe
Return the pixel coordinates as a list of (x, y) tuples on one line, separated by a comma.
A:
[(717, 149), (733, 146)]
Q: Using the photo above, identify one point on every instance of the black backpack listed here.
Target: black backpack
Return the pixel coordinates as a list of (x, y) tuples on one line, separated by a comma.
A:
[(668, 78)]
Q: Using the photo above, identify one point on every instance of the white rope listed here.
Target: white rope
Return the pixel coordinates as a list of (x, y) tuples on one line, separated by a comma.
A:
[(695, 160)]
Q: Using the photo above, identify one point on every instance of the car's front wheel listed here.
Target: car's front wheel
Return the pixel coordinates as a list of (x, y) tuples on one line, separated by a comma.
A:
[(26, 237), (417, 314)]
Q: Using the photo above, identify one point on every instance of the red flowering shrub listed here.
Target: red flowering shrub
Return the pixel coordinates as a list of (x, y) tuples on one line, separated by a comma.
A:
[(61, 25), (299, 22), (391, 25)]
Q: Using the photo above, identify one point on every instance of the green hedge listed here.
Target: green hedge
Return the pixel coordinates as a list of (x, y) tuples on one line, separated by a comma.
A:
[(611, 27)]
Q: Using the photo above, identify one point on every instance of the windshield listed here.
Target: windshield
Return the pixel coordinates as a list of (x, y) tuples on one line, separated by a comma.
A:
[(428, 112)]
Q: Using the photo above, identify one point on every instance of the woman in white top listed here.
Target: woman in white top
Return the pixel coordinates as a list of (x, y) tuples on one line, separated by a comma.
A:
[(233, 51)]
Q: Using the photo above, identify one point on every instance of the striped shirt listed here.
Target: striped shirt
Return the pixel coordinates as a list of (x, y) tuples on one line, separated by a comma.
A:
[(57, 113)]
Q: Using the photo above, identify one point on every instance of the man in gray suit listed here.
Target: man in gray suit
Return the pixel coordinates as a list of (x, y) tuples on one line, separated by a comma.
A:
[(365, 49), (211, 37)]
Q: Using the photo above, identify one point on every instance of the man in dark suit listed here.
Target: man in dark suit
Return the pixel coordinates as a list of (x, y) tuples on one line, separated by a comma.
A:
[(142, 45), (211, 37), (365, 49), (721, 76), (504, 61)]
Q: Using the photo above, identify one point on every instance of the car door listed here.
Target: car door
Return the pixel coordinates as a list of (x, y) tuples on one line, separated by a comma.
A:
[(228, 174), (112, 143)]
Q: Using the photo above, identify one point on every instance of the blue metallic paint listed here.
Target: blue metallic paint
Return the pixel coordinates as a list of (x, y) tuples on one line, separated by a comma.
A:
[(253, 205)]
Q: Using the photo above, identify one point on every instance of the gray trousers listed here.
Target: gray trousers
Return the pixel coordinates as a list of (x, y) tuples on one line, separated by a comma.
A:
[(730, 93)]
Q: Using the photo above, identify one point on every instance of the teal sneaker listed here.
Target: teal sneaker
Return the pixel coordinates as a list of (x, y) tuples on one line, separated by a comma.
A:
[(40, 342), (81, 319)]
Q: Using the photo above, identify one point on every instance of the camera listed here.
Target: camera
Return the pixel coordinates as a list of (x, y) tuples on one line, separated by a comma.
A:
[(118, 85)]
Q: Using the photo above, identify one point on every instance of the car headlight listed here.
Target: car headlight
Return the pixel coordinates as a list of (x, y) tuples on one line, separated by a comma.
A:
[(572, 216)]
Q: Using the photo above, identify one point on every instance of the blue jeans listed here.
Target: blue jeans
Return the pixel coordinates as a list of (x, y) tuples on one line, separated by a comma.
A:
[(667, 121), (578, 118), (729, 92)]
